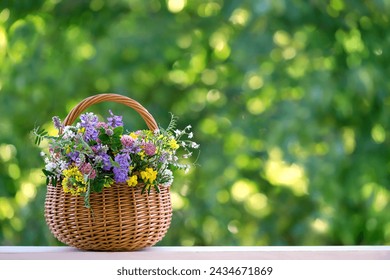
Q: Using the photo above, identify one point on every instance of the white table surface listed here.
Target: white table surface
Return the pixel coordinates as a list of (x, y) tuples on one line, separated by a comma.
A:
[(201, 253)]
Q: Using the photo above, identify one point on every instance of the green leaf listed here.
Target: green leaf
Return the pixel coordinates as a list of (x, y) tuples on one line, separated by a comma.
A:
[(118, 131), (116, 143), (40, 134), (172, 123), (104, 138), (114, 163), (97, 185)]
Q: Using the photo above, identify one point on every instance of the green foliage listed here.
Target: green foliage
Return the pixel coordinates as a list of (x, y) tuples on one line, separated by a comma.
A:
[(40, 134), (172, 123), (113, 141), (51, 178), (288, 99)]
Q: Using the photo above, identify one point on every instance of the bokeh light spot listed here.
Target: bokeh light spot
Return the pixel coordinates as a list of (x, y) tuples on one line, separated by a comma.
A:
[(176, 6)]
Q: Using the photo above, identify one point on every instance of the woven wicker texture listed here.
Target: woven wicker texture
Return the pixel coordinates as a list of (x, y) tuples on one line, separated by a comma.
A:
[(121, 218)]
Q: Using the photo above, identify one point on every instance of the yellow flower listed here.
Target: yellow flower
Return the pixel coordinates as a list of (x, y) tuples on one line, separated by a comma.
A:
[(133, 135), (149, 175), (132, 181), (73, 181), (173, 144), (81, 130), (142, 155)]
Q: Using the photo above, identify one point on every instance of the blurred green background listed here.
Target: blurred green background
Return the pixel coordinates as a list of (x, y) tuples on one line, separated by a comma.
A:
[(289, 100)]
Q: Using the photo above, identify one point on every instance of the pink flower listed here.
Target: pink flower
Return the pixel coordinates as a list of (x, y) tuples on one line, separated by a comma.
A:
[(150, 149), (101, 124), (130, 144), (127, 141), (87, 169)]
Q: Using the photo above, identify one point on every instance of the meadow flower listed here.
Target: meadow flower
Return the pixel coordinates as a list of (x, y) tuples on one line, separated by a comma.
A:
[(89, 121), (101, 124), (88, 170), (57, 122), (148, 175), (121, 171), (73, 181), (73, 156), (130, 144), (132, 181), (167, 178), (173, 144), (68, 132), (50, 166), (127, 141), (194, 145), (106, 162), (150, 149), (114, 121), (163, 157), (136, 134)]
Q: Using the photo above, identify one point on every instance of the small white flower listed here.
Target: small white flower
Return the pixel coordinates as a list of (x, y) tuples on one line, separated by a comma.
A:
[(98, 159), (187, 155), (190, 135), (62, 165), (167, 174), (51, 166), (68, 133), (194, 145)]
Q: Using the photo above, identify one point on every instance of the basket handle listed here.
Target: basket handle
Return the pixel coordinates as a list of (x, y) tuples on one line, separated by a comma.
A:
[(89, 101)]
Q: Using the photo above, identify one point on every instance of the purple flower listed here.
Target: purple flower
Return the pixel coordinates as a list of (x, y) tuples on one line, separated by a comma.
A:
[(102, 156), (114, 121), (106, 162), (99, 149), (89, 121), (121, 173), (150, 149), (57, 122), (109, 132), (73, 156), (164, 157)]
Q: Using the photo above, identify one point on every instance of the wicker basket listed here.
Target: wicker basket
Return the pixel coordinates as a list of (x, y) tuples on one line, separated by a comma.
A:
[(121, 218)]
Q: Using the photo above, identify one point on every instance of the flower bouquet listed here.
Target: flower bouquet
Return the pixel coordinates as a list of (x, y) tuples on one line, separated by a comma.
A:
[(108, 189)]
